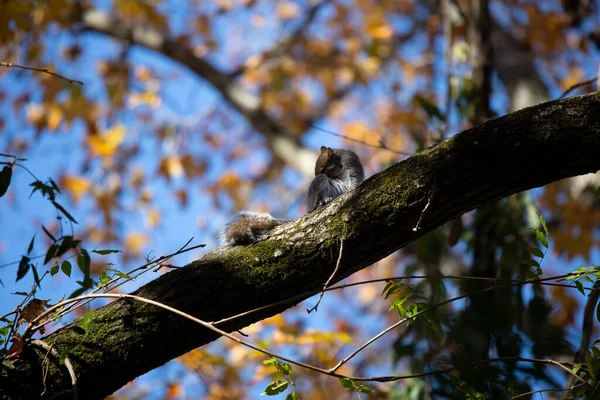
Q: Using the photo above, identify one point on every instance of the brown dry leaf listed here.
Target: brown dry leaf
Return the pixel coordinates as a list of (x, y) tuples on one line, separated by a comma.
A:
[(134, 242), (77, 186), (192, 168), (34, 308), (182, 196), (567, 307), (16, 347), (106, 143)]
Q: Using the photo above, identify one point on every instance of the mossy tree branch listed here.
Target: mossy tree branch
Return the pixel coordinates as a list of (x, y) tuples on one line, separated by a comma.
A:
[(520, 151)]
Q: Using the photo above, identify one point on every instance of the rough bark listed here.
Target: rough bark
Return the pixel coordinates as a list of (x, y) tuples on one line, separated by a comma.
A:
[(523, 150)]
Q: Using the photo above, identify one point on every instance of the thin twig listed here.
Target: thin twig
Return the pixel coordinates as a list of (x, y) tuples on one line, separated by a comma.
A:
[(337, 266), (434, 307), (68, 364), (381, 144), (142, 269), (205, 324), (577, 85), (309, 294), (548, 390), (418, 226), (330, 372), (46, 70)]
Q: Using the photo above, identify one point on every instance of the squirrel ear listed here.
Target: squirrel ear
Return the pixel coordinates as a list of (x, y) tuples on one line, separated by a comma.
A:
[(323, 149), (329, 152)]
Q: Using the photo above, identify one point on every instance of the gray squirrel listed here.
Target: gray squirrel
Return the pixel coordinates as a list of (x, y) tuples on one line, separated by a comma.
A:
[(336, 172)]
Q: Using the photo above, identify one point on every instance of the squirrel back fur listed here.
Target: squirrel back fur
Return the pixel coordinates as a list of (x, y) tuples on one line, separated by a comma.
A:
[(336, 172)]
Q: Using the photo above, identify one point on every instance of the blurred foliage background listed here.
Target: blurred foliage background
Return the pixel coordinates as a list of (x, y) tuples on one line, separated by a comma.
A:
[(192, 110)]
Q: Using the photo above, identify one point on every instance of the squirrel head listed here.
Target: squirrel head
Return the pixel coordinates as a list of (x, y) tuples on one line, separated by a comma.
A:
[(328, 163)]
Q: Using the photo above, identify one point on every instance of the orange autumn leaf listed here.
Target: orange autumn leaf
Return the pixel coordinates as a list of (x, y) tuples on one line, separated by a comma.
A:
[(287, 10), (77, 186), (378, 27), (106, 143), (171, 167), (135, 242)]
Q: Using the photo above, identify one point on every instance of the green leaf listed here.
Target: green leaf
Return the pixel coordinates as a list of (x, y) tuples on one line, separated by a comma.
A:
[(54, 269), (541, 237), (285, 369), (31, 245), (387, 286), (598, 312), (431, 109), (24, 266), (54, 185), (576, 368), (104, 278), (105, 252), (276, 387), (531, 262), (50, 253), (536, 252), (66, 214), (270, 361), (348, 383), (579, 286), (292, 396), (77, 292), (21, 293), (66, 268), (122, 275), (365, 389), (543, 222), (83, 262), (5, 176), (85, 320), (49, 234), (36, 277)]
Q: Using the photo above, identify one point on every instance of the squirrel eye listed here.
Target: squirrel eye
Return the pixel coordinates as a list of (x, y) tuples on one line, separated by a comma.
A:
[(322, 171)]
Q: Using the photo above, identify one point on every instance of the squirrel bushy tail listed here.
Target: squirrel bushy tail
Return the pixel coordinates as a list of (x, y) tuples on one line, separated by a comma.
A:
[(337, 171), (248, 227)]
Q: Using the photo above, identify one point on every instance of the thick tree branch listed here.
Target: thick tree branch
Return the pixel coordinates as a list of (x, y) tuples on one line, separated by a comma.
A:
[(523, 150), (283, 143)]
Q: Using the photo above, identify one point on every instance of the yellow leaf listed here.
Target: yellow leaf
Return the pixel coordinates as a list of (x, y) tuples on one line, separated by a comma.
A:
[(54, 117), (153, 218), (135, 242), (75, 185), (106, 143), (149, 98)]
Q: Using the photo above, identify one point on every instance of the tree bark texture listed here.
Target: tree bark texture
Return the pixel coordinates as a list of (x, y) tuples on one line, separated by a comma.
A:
[(520, 151)]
